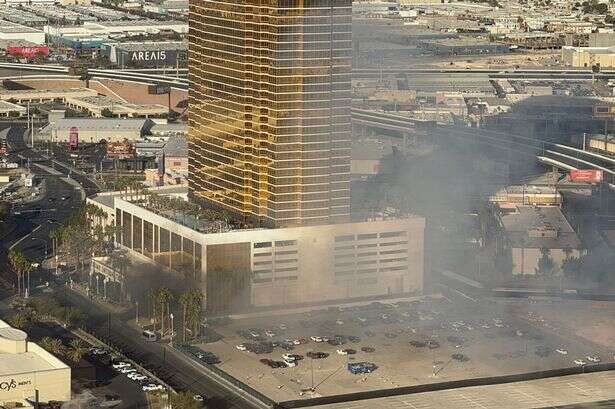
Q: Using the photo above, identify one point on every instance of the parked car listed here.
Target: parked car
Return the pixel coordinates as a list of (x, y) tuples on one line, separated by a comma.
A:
[(361, 367), (579, 362), (561, 351), (593, 358), (241, 347), (368, 349), (317, 355)]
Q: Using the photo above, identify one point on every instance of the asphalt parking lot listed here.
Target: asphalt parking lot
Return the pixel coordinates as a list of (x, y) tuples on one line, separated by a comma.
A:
[(414, 342)]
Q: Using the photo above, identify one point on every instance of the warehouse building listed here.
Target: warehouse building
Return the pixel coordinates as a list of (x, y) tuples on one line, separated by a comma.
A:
[(14, 31), (26, 368), (93, 130), (107, 29), (146, 54)]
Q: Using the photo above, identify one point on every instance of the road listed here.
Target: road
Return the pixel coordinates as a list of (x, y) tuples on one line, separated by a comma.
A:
[(29, 233)]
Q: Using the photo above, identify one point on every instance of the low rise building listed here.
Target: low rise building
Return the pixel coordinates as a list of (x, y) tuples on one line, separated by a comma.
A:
[(101, 106), (45, 95), (26, 368), (14, 31), (512, 196), (241, 268), (464, 46), (587, 57), (93, 130), (539, 238)]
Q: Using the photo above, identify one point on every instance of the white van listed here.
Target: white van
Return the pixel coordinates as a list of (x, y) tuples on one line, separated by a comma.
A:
[(149, 335)]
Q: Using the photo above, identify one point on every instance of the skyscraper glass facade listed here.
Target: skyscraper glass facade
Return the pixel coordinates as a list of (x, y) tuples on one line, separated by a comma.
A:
[(269, 131)]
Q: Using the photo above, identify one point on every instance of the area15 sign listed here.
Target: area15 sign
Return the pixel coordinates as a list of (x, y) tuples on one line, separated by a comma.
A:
[(141, 56), (586, 176)]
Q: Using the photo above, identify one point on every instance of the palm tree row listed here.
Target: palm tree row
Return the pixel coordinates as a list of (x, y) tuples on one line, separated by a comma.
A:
[(22, 267), (191, 302), (75, 351)]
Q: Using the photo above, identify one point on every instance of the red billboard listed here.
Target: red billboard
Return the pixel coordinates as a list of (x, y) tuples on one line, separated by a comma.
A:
[(28, 52), (73, 138), (586, 176)]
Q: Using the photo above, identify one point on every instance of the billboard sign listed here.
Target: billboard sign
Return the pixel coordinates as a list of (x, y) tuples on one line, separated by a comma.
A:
[(28, 52), (586, 176)]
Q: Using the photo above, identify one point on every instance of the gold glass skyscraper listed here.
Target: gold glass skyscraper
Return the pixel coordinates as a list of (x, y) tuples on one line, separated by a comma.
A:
[(269, 131)]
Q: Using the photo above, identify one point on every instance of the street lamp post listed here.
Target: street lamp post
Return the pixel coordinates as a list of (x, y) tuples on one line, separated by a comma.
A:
[(172, 329), (137, 313)]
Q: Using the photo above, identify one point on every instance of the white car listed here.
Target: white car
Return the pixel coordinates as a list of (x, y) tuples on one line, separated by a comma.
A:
[(296, 342), (120, 365), (270, 334), (339, 322), (283, 327), (135, 376), (593, 358), (361, 319), (290, 363), (150, 387), (288, 357), (341, 352), (241, 347), (561, 351), (127, 370), (316, 339), (199, 398), (579, 362)]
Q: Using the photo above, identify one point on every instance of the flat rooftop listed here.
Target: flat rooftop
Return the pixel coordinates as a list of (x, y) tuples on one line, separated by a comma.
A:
[(152, 46), (9, 27), (14, 364), (539, 218), (540, 393)]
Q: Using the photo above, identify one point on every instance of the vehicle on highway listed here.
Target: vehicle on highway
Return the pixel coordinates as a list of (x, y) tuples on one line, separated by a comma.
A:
[(127, 370), (579, 362), (135, 376), (120, 365), (150, 336), (561, 351), (150, 387), (593, 358)]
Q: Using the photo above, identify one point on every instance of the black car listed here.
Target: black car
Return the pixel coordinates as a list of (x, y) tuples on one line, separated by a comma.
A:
[(418, 344), (354, 339), (368, 349), (432, 344), (317, 355)]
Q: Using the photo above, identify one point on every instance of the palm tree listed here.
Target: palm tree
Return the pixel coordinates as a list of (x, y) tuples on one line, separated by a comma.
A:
[(184, 300), (77, 350), (52, 345), (164, 297), (195, 310)]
